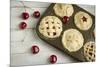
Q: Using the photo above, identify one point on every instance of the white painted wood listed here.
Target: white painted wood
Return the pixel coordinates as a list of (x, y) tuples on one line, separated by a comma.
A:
[(22, 40), (31, 4), (17, 35), (24, 35)]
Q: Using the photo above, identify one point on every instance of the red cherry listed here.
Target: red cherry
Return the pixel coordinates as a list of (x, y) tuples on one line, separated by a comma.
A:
[(65, 19), (36, 14), (25, 15), (35, 49), (53, 59), (22, 25)]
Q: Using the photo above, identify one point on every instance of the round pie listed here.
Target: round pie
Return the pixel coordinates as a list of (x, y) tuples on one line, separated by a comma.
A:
[(50, 26), (83, 20), (89, 51), (72, 40), (63, 10)]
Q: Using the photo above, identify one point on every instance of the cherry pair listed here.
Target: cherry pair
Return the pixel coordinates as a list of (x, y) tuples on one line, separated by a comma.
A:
[(52, 59), (25, 15)]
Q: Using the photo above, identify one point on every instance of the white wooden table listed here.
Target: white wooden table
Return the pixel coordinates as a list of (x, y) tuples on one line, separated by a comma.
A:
[(22, 40)]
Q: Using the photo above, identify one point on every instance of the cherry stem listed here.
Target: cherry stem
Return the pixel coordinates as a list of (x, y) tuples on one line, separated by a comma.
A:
[(23, 5)]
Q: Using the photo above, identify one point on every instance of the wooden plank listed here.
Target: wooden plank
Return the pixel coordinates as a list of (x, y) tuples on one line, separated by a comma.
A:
[(24, 35), (31, 4), (18, 35), (27, 59)]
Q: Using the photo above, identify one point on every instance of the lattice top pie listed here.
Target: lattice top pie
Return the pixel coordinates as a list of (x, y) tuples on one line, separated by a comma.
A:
[(50, 26), (89, 51)]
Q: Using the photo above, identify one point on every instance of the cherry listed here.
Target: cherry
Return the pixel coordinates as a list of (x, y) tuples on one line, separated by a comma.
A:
[(53, 59), (65, 19), (36, 14), (25, 15), (22, 25), (35, 49)]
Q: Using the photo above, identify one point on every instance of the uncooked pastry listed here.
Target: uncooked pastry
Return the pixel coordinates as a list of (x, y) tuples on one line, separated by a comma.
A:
[(63, 10), (72, 40), (83, 20), (50, 27)]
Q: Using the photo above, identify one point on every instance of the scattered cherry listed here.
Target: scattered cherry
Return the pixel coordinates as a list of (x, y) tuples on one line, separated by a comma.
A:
[(35, 49), (65, 19), (22, 25), (53, 59), (25, 15), (36, 14)]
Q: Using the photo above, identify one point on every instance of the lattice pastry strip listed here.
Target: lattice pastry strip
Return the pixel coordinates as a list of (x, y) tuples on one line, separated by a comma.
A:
[(50, 26), (89, 51)]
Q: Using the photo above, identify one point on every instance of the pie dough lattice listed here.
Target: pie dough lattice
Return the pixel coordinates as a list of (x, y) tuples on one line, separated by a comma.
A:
[(89, 51), (50, 26)]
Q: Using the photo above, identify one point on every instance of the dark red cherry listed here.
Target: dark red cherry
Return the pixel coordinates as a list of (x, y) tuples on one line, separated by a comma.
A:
[(53, 59), (35, 49), (36, 14), (25, 15), (22, 25), (65, 19)]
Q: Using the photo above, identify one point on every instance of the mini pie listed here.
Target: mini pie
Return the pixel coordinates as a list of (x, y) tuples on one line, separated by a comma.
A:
[(63, 10), (50, 27), (72, 40), (89, 51), (83, 20)]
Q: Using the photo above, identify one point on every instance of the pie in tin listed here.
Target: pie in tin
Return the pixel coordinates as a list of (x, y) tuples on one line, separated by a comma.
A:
[(50, 27)]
